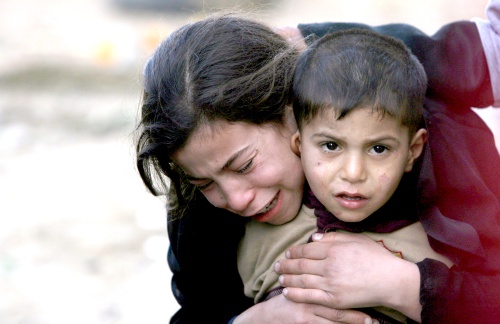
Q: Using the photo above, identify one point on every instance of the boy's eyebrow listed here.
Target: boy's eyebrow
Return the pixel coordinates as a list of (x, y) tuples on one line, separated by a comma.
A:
[(325, 134), (371, 140), (384, 138)]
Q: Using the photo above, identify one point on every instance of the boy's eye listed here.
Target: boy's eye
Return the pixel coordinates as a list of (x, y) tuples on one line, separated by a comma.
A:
[(331, 146), (379, 149)]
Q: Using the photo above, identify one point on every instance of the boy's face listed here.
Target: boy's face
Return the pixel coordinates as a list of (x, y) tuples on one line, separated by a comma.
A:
[(354, 165)]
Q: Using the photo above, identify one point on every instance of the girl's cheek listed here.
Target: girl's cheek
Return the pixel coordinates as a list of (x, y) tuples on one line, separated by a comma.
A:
[(215, 198)]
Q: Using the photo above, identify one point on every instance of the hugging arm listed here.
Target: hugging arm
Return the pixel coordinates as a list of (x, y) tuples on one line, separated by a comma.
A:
[(460, 211)]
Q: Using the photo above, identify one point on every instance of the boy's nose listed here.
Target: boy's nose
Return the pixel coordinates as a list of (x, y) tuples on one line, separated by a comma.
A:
[(354, 169)]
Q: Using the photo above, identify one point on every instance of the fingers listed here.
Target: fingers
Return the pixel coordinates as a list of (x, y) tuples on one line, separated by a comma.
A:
[(322, 243), (343, 316), (302, 281), (327, 314), (322, 314), (313, 251), (317, 250), (298, 266), (336, 237), (310, 296)]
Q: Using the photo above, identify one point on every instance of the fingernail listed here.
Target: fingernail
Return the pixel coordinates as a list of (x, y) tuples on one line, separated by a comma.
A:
[(281, 279), (287, 254), (376, 321), (317, 236), (368, 320), (285, 292), (277, 266)]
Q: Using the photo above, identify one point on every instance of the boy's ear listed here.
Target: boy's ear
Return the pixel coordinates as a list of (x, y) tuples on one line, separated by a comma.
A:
[(416, 148), (295, 143)]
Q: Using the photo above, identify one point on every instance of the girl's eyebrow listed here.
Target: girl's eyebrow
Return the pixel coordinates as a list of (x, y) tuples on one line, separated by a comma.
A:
[(228, 164), (235, 156), (191, 178)]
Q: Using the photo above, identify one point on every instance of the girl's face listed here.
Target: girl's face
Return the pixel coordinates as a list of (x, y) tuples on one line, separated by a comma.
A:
[(247, 169)]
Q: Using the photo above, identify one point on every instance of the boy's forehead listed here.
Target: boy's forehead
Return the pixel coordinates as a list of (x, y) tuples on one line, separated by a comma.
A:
[(333, 113), (358, 118)]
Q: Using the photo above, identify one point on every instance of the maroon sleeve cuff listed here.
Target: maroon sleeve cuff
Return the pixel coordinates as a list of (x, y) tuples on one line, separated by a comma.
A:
[(433, 282)]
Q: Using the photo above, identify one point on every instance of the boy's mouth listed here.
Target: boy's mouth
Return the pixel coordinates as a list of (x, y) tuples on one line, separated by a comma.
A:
[(351, 200), (347, 197)]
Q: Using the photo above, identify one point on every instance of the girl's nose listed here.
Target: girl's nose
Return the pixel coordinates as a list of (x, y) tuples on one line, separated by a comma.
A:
[(238, 197)]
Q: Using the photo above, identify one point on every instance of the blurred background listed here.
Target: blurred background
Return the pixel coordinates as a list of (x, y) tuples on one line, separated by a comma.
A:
[(81, 241)]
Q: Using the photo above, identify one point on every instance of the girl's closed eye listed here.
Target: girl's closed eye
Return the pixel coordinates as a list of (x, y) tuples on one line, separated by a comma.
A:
[(203, 186), (246, 166)]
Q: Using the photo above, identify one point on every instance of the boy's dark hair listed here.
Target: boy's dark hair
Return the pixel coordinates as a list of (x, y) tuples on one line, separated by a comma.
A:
[(359, 68), (221, 68)]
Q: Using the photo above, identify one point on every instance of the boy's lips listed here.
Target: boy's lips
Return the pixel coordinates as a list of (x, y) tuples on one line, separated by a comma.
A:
[(351, 200)]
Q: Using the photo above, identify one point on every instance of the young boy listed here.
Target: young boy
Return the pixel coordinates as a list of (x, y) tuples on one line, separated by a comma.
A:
[(358, 105)]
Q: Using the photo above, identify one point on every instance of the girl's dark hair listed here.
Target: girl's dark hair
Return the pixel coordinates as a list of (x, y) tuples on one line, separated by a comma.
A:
[(221, 68), (359, 68)]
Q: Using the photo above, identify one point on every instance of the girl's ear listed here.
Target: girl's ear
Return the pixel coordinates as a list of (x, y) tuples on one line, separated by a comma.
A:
[(295, 143), (416, 148)]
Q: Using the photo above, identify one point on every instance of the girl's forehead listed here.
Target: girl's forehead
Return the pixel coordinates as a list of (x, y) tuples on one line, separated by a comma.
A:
[(210, 149), (213, 142), (218, 135), (215, 129), (211, 130)]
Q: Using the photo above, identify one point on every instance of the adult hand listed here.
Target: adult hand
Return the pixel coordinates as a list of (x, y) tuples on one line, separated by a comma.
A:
[(341, 270), (281, 310)]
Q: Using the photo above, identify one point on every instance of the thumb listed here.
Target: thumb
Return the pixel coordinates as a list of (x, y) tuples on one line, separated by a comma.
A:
[(337, 237), (324, 237)]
